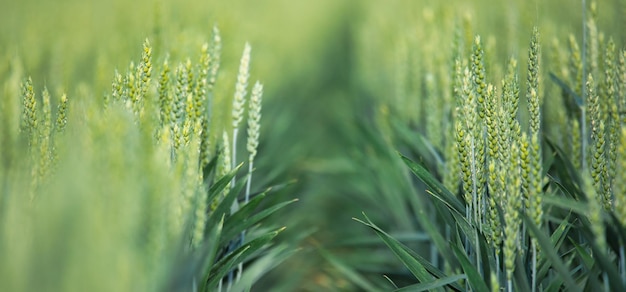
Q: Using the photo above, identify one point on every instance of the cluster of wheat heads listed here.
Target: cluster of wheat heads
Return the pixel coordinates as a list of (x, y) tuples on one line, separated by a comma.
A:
[(523, 202), (133, 193)]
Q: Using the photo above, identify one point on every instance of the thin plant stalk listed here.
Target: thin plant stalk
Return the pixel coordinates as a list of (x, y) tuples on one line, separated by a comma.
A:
[(475, 203), (583, 121), (534, 266), (237, 115), (249, 182), (622, 263), (497, 266)]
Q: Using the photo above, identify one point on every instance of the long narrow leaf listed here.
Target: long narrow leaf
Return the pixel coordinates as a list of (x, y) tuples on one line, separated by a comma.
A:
[(585, 257), (401, 251), (619, 232), (224, 206), (473, 277), (577, 99), (209, 169), (438, 190), (432, 285), (557, 238), (225, 265), (521, 277), (234, 225), (422, 146), (551, 253), (567, 174), (220, 185), (566, 204), (429, 267), (262, 266), (419, 204), (606, 265), (211, 244), (256, 218)]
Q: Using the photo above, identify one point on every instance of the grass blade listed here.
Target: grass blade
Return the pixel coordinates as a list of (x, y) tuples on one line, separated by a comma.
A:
[(566, 204), (605, 264), (432, 285), (568, 90), (401, 251), (551, 253), (473, 277), (226, 264), (242, 222), (438, 190), (557, 238), (220, 185)]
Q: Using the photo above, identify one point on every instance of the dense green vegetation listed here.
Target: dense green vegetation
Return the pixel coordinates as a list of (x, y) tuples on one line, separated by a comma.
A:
[(454, 145)]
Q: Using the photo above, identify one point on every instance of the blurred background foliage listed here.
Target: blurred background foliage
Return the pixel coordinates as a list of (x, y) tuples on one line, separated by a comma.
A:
[(337, 75)]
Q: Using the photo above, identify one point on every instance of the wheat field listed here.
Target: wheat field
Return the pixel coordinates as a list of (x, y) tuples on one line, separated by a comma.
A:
[(324, 145)]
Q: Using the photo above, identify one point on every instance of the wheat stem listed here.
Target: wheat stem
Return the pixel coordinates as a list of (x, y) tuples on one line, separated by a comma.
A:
[(583, 121)]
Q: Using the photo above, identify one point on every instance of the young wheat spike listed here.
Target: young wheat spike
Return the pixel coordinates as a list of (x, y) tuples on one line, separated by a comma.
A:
[(465, 137), (478, 76), (466, 173), (187, 132), (180, 95), (224, 166), (191, 81), (205, 143), (190, 109), (144, 73), (494, 218), (216, 51), (536, 209), (593, 45), (575, 141), (146, 63), (254, 130), (165, 99), (117, 86), (61, 121), (196, 194), (129, 95), (621, 79), (620, 182), (576, 65), (598, 139), (241, 88), (200, 90), (213, 68), (525, 174), (46, 128), (29, 113), (452, 175), (512, 220), (44, 136), (532, 94), (612, 119), (434, 103), (576, 74), (531, 148), (491, 119)]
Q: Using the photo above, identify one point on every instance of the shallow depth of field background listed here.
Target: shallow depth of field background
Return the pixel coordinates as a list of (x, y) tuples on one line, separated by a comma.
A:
[(325, 66)]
